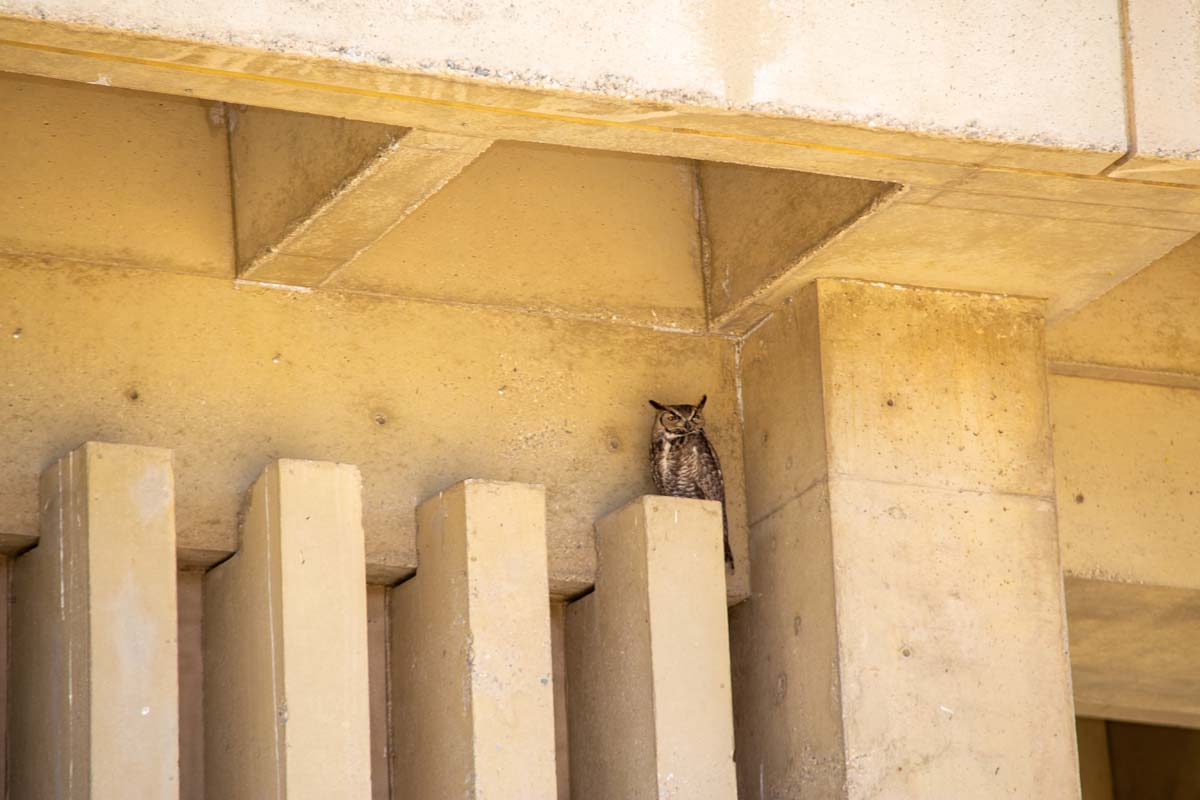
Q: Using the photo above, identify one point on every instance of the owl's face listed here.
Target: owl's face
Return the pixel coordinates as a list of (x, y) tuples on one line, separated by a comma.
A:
[(679, 420)]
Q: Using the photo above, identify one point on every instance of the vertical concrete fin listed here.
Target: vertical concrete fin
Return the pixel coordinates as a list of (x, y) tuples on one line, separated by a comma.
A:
[(471, 668), (649, 702), (285, 640), (95, 690)]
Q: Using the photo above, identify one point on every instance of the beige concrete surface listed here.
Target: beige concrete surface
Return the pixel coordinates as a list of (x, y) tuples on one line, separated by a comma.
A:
[(125, 155), (1128, 480), (1016, 72), (1134, 651), (378, 651), (310, 193), (285, 643), (419, 395), (190, 584), (284, 165), (472, 685), (1150, 322), (648, 694), (610, 235), (759, 223), (1164, 49), (1095, 769), (910, 476), (94, 692), (1001, 248)]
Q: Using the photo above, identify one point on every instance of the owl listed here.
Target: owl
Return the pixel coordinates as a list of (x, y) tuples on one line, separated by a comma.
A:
[(683, 461)]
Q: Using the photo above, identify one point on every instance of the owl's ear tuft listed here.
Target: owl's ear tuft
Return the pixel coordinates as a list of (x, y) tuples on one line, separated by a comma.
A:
[(703, 400), (658, 405)]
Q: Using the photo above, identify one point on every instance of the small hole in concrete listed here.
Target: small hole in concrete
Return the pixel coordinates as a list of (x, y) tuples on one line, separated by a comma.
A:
[(133, 395), (906, 652), (17, 333), (891, 402), (380, 419), (276, 359), (614, 444), (1078, 498)]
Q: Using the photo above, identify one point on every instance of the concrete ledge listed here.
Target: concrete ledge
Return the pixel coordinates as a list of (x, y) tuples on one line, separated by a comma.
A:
[(94, 693), (285, 643), (472, 693), (648, 689)]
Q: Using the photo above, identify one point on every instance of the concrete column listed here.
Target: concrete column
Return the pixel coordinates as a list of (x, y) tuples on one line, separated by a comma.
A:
[(648, 659), (906, 633), (95, 688), (285, 643), (472, 693)]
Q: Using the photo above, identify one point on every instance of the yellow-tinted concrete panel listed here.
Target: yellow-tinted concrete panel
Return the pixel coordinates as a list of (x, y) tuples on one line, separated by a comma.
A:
[(473, 700), (1128, 480), (903, 440), (285, 643), (94, 693), (761, 223), (648, 681), (602, 234), (1149, 322), (99, 174), (1067, 261), (283, 165), (1134, 651), (419, 395)]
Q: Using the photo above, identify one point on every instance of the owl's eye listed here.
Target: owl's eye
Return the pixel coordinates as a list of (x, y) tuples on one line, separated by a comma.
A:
[(671, 417)]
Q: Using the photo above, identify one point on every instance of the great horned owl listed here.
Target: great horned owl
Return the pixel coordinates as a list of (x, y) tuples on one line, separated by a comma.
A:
[(683, 462)]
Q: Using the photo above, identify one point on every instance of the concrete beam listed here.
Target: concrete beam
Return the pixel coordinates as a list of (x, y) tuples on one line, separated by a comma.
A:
[(472, 693), (1134, 651), (1163, 62), (648, 691), (285, 643), (310, 193), (762, 225), (910, 479), (94, 693)]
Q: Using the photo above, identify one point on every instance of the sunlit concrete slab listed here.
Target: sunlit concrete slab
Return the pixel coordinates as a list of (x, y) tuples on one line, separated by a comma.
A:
[(471, 672), (94, 691), (311, 193), (285, 643), (647, 659), (1134, 651)]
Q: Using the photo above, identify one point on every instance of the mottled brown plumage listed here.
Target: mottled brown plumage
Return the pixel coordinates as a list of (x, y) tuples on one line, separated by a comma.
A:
[(683, 462)]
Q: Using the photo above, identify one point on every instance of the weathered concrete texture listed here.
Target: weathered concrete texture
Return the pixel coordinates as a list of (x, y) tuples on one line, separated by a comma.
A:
[(558, 652), (1134, 651), (609, 235), (910, 475), (285, 643), (1128, 480), (1095, 769), (761, 223), (1154, 762), (473, 700), (1019, 71), (5, 634), (1150, 322), (311, 192), (1164, 47), (419, 395), (125, 156), (94, 692), (648, 694)]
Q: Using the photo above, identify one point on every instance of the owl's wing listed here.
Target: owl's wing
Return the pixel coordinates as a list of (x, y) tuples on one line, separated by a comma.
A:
[(710, 481)]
